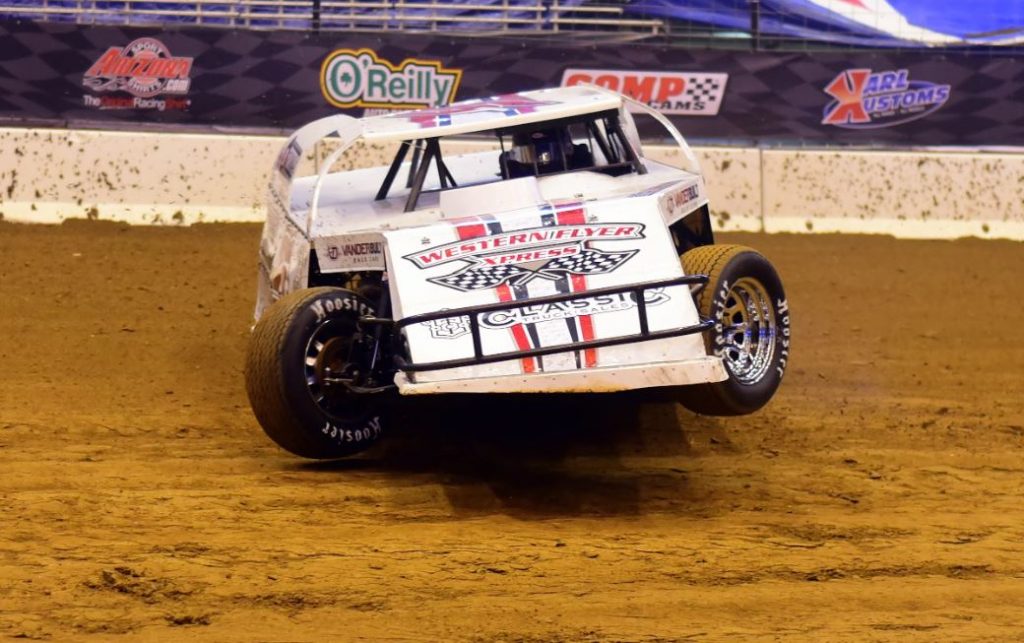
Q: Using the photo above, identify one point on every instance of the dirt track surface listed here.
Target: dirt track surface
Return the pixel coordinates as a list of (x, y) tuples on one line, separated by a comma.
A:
[(879, 497)]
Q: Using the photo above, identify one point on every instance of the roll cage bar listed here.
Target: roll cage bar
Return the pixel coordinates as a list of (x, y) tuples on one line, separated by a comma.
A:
[(613, 143)]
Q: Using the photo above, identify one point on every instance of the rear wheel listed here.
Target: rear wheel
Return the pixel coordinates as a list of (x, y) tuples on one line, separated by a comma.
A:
[(746, 300), (300, 350)]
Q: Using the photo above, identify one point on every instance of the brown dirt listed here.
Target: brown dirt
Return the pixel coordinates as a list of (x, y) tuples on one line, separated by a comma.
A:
[(879, 497)]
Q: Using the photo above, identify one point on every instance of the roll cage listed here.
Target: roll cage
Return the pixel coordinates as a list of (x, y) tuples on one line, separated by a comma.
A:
[(602, 131)]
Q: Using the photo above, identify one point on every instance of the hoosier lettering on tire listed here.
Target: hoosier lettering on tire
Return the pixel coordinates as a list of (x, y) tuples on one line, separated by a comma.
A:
[(301, 350), (745, 299)]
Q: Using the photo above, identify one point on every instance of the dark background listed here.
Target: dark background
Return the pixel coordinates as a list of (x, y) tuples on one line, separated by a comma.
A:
[(269, 81)]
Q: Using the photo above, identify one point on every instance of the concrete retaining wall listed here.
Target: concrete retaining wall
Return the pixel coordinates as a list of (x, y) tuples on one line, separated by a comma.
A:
[(49, 175)]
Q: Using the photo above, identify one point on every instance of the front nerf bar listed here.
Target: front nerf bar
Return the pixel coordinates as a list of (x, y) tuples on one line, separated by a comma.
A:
[(472, 313)]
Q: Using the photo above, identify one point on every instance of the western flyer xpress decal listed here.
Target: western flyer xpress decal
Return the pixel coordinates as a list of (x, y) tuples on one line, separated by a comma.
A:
[(516, 258), (146, 71), (864, 99), (360, 78), (553, 253)]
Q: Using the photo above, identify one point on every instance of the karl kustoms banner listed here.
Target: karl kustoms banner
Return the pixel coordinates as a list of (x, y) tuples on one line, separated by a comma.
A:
[(53, 74)]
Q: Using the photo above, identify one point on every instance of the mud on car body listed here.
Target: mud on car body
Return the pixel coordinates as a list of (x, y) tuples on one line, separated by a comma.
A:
[(556, 258)]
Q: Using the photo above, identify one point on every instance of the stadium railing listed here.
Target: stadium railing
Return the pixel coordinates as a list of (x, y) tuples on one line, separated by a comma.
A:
[(521, 16)]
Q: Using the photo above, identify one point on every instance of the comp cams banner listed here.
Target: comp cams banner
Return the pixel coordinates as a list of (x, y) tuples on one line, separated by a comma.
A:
[(212, 78)]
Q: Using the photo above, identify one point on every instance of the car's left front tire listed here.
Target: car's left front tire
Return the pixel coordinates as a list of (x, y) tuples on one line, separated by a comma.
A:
[(298, 350)]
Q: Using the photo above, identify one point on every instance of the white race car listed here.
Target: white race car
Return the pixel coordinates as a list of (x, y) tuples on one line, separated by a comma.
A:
[(555, 257)]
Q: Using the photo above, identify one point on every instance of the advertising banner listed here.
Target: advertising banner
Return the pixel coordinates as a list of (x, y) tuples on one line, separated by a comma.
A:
[(53, 73)]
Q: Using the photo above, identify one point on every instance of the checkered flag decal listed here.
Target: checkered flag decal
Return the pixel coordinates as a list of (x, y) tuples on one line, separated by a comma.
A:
[(476, 277), (706, 88), (589, 262)]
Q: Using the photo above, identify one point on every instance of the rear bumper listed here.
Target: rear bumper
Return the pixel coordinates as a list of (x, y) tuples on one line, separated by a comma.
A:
[(701, 370)]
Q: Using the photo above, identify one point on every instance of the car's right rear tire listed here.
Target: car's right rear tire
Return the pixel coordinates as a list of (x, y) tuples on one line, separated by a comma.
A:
[(745, 298)]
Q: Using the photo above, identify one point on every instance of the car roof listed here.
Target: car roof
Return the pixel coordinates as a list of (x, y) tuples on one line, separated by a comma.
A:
[(482, 114)]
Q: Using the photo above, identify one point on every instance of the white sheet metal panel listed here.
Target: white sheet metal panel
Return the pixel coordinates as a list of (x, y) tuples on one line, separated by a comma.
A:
[(597, 380), (558, 247)]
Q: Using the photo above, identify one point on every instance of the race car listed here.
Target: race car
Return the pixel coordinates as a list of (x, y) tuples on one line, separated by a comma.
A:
[(553, 256)]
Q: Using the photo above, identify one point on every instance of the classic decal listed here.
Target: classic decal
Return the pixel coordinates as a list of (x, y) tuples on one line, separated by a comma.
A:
[(569, 309)]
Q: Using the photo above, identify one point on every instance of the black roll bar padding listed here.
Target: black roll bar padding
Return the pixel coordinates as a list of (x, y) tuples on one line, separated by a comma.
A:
[(630, 152), (443, 174), (601, 142), (396, 164), (442, 178), (696, 282), (430, 149), (384, 306), (417, 150), (502, 160), (562, 133)]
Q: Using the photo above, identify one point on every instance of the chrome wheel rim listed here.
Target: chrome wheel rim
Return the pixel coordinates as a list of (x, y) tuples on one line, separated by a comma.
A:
[(748, 328)]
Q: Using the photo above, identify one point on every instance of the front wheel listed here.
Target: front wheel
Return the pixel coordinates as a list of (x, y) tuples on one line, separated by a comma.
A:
[(300, 350), (745, 299)]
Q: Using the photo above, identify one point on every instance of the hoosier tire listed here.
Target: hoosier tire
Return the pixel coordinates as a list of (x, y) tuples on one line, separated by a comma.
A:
[(746, 300), (301, 342)]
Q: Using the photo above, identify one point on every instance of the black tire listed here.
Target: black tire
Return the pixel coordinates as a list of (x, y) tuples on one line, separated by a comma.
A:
[(295, 339), (756, 363)]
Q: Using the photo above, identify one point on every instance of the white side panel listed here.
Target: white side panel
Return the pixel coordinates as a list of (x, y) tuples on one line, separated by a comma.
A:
[(284, 245), (565, 247)]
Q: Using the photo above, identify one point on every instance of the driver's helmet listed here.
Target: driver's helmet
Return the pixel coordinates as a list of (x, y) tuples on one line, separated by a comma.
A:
[(551, 150)]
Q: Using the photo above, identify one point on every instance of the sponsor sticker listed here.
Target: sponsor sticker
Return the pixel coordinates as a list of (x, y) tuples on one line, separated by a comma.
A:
[(680, 202), (864, 99), (350, 252), (569, 309), (288, 159), (453, 327), (449, 327), (360, 78), (516, 258), (145, 71), (466, 111), (684, 93)]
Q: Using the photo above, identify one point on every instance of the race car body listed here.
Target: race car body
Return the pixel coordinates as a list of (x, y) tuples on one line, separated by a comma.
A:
[(547, 260)]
